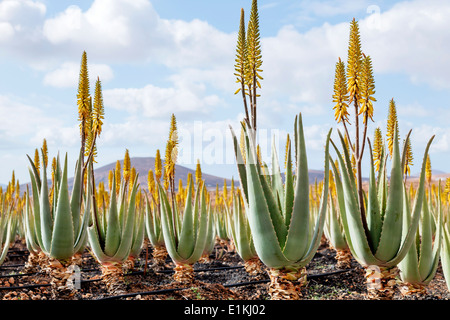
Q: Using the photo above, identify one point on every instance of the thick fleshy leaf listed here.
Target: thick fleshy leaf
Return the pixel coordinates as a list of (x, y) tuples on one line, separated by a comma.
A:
[(298, 235), (112, 236), (127, 232), (391, 233), (186, 242), (411, 231), (351, 216), (167, 226), (374, 220), (62, 245)]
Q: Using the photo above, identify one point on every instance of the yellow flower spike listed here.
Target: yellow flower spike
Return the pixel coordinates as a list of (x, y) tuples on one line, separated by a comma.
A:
[(45, 152), (198, 172), (340, 96), (158, 166), (242, 142), (377, 148), (96, 123), (354, 63), (132, 178), (84, 99), (225, 191), (37, 162), (218, 195), (409, 158), (367, 89), (428, 171), (151, 181), (254, 60), (126, 166), (110, 179), (332, 185), (392, 124), (288, 141), (171, 154), (118, 175)]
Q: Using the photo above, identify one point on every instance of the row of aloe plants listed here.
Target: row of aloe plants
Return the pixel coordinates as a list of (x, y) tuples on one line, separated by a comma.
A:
[(270, 220)]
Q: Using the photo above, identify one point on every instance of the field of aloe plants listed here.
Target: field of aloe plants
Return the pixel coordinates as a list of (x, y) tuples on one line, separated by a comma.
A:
[(269, 236)]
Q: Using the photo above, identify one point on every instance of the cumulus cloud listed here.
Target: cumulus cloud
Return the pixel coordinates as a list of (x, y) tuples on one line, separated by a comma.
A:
[(157, 102), (67, 74)]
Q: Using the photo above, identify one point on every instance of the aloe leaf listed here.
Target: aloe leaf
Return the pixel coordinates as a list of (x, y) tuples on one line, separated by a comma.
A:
[(426, 243), (276, 216), (45, 213), (76, 197), (240, 164), (298, 234), (335, 231), (9, 236), (167, 226), (30, 231), (94, 243), (81, 236), (430, 267), (243, 235), (351, 216), (409, 265), (63, 237), (36, 211), (127, 233), (186, 240), (391, 233), (151, 226), (277, 181), (264, 235), (445, 253), (373, 207), (138, 238), (289, 191), (320, 220), (200, 241), (112, 235), (411, 231)]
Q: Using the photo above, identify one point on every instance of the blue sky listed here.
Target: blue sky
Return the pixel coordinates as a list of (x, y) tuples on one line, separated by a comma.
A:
[(158, 57)]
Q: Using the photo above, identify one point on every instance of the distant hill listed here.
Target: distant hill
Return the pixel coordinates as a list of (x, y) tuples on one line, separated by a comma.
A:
[(144, 164)]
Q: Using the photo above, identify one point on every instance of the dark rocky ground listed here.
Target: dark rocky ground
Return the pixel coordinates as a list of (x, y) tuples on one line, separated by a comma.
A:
[(219, 284)]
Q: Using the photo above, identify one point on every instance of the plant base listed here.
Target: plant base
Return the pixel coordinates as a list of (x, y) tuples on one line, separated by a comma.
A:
[(61, 273), (408, 289), (159, 255), (286, 283), (344, 258), (254, 267), (184, 273), (112, 277), (381, 282)]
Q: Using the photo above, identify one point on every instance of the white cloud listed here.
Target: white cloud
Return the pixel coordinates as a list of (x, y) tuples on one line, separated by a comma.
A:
[(67, 75), (156, 102)]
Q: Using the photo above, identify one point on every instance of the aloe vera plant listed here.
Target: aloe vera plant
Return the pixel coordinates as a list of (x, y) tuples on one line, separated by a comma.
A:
[(242, 237), (154, 232), (185, 239), (58, 229), (111, 238), (420, 264), (8, 224), (384, 241), (445, 250), (279, 214), (334, 230)]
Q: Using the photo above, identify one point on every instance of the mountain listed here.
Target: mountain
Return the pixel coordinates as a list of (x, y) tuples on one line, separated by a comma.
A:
[(144, 164)]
